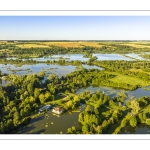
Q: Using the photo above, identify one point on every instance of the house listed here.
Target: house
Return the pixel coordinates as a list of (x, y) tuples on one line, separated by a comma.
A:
[(58, 110), (46, 107)]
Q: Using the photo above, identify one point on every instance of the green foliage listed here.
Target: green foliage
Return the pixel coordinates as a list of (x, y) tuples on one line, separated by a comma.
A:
[(72, 130), (42, 74), (148, 121), (123, 122), (142, 117), (133, 121), (134, 105)]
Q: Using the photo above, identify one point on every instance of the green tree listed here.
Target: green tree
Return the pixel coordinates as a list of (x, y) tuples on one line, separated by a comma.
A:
[(36, 93), (133, 121), (16, 118), (42, 74), (42, 98)]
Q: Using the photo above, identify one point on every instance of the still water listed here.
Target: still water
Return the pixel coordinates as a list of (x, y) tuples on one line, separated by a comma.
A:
[(53, 124), (36, 68), (114, 92), (139, 129), (111, 57), (135, 56)]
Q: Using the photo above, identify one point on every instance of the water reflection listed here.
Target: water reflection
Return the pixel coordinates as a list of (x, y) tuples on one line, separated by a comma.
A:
[(114, 92), (72, 57), (36, 68), (139, 129), (111, 57), (135, 56), (51, 123)]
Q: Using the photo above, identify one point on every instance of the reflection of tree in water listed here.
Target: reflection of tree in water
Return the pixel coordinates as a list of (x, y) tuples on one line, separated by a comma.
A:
[(141, 125), (46, 114), (130, 129), (123, 130), (79, 125), (148, 126)]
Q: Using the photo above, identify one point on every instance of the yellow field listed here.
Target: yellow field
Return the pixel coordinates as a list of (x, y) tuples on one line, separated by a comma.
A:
[(60, 44), (31, 45), (136, 44), (73, 44)]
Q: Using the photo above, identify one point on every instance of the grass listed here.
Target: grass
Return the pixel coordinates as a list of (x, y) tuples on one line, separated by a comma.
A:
[(139, 70), (128, 80)]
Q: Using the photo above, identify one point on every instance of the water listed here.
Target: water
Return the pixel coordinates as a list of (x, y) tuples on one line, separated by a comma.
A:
[(111, 57), (92, 67), (67, 57), (36, 68), (139, 129), (3, 82), (114, 92), (53, 124), (73, 57), (135, 56)]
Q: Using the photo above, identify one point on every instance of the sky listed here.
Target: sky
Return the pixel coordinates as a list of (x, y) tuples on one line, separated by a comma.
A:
[(74, 27)]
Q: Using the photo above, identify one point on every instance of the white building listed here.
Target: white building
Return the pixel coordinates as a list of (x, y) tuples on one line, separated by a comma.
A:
[(44, 108), (58, 110)]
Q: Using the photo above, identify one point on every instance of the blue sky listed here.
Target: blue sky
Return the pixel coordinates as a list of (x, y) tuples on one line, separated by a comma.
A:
[(74, 27)]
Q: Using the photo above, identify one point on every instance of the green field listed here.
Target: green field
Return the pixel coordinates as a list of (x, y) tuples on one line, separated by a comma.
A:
[(128, 80)]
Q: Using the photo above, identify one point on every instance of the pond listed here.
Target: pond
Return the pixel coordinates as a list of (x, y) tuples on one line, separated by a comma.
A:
[(135, 56), (114, 92), (67, 57), (139, 129), (36, 68), (111, 57), (70, 57), (3, 82), (53, 124)]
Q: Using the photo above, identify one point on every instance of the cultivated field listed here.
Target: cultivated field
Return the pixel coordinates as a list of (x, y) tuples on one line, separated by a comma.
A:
[(137, 44), (60, 44)]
